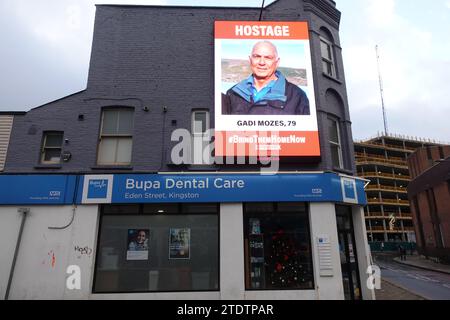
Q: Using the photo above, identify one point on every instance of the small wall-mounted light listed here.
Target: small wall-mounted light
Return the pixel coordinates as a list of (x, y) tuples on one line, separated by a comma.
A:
[(80, 117), (174, 122), (146, 109), (66, 141)]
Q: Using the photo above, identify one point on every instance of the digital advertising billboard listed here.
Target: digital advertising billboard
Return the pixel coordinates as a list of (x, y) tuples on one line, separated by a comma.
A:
[(264, 90)]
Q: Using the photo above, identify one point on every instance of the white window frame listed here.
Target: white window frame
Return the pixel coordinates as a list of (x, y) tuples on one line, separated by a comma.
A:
[(200, 140), (326, 59), (116, 136), (207, 125), (338, 143), (44, 147)]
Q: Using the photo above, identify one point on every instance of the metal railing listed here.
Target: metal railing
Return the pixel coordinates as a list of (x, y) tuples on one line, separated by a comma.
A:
[(369, 159), (392, 146), (365, 155), (388, 188), (387, 175), (389, 201)]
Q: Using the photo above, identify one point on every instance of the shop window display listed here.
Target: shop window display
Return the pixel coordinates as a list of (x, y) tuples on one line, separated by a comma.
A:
[(277, 247), (158, 248)]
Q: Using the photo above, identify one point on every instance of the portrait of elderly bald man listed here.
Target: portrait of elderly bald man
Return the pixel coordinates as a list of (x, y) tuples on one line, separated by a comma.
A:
[(266, 91)]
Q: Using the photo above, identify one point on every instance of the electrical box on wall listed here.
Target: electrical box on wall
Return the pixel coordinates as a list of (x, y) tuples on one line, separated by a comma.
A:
[(325, 260), (66, 156)]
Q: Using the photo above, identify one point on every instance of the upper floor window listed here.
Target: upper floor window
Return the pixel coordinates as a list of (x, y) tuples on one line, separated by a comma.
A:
[(335, 143), (200, 136), (116, 137), (200, 122), (52, 147), (327, 50)]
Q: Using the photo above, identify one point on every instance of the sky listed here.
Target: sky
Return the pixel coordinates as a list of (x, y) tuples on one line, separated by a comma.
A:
[(291, 53), (46, 46)]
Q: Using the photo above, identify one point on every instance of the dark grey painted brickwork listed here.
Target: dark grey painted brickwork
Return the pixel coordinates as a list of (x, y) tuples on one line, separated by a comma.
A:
[(164, 57)]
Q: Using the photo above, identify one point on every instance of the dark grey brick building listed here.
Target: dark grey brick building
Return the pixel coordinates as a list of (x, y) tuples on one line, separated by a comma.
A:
[(139, 225), (162, 58)]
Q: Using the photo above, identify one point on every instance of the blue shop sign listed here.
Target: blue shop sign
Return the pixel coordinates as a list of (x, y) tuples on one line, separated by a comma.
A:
[(161, 188), (37, 189), (322, 187)]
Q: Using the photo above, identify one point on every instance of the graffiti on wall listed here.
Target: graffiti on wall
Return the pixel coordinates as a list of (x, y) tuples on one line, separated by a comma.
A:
[(83, 251)]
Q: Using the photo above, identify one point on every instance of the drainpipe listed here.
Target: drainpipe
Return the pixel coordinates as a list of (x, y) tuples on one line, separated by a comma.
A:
[(24, 212)]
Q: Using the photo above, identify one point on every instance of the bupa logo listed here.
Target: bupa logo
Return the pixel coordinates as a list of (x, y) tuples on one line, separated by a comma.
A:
[(97, 189)]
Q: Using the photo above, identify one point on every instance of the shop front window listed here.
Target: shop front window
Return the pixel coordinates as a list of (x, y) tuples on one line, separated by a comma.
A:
[(158, 248), (277, 247)]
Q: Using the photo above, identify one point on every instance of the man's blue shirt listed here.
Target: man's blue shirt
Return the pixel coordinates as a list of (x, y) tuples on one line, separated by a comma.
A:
[(259, 95)]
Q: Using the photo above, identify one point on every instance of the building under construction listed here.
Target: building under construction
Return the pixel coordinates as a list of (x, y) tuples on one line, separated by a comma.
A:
[(382, 160)]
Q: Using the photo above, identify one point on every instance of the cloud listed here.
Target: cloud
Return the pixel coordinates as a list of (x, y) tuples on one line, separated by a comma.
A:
[(66, 25), (413, 60), (133, 2), (380, 13), (45, 55)]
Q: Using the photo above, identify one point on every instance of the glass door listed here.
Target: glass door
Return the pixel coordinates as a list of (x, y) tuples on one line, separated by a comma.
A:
[(347, 251)]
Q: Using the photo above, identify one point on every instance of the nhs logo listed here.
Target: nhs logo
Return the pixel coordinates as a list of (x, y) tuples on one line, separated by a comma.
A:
[(97, 188), (55, 194), (349, 193)]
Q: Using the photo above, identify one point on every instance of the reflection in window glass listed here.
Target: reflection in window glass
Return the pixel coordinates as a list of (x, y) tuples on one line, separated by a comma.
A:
[(116, 137), (157, 252), (51, 148), (335, 143), (200, 122), (277, 247), (326, 48)]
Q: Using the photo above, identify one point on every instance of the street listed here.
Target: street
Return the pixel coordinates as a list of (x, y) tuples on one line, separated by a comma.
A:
[(428, 284)]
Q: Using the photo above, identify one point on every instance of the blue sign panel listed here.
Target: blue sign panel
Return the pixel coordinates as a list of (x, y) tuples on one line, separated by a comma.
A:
[(98, 188), (361, 192), (160, 188), (326, 187), (37, 189), (349, 190)]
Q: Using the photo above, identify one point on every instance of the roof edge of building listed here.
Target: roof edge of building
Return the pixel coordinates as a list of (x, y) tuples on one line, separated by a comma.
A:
[(181, 6), (59, 99)]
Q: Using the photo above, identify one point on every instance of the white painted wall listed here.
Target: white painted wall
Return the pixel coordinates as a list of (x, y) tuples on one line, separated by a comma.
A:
[(158, 296), (45, 254), (10, 221), (232, 278), (323, 222), (362, 250)]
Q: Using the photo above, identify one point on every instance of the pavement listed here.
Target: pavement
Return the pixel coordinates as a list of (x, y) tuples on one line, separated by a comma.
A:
[(423, 263), (391, 291)]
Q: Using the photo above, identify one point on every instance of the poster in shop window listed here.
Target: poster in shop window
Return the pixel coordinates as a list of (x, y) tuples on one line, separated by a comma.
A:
[(264, 94), (179, 243), (137, 245)]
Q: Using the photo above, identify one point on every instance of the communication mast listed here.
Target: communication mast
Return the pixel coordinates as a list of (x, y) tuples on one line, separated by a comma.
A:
[(381, 92)]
